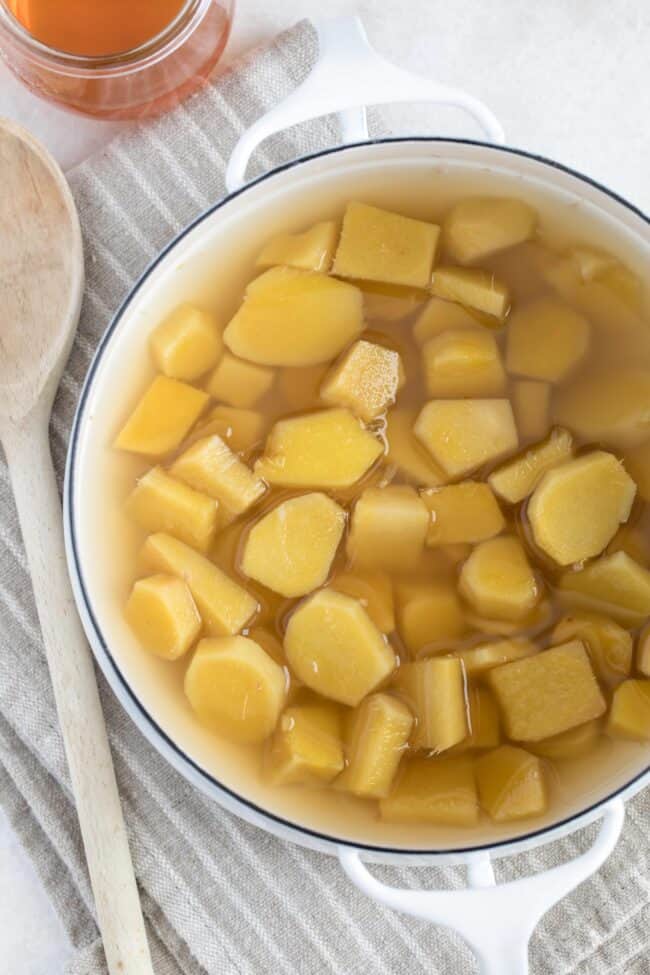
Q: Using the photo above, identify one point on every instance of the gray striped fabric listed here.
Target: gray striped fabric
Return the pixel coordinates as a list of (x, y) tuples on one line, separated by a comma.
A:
[(222, 897)]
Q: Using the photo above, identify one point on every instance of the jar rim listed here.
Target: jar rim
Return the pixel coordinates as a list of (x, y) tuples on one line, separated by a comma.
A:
[(143, 55)]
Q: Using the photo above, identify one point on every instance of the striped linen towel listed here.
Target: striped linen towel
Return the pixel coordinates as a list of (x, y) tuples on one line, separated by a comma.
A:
[(222, 897)]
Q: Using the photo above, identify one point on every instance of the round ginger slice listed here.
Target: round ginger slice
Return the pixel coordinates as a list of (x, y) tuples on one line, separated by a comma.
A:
[(497, 580), (235, 688), (577, 507)]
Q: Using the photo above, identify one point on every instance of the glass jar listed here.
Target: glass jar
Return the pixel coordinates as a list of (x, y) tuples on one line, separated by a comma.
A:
[(145, 81)]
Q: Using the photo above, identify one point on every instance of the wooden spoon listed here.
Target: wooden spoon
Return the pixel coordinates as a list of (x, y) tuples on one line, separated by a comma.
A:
[(41, 284)]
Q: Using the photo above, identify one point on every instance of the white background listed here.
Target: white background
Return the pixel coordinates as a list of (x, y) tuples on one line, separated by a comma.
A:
[(569, 79)]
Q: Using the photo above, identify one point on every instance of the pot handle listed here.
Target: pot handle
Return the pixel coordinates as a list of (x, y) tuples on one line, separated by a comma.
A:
[(347, 76), (495, 920)]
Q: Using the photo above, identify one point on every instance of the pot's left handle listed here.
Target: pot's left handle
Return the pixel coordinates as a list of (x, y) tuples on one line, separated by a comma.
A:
[(495, 920), (347, 76)]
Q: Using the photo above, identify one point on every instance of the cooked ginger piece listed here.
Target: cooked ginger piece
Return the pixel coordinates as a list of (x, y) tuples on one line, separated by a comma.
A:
[(545, 694), (462, 435), (240, 429), (311, 250), (611, 407), (307, 746), (159, 502), (334, 648), (162, 419), (187, 344), (465, 512), (225, 607), (441, 791), (609, 646), (291, 548), (484, 721), (407, 453), (366, 380), (235, 688), (517, 478), (480, 659), (592, 263), (374, 590), (531, 401), (479, 226), (327, 449), (637, 464), (439, 316), (511, 784), (643, 651), (463, 363), (434, 689), (163, 616), (576, 508), (239, 383), (300, 386), (210, 466), (377, 245), (614, 585), (378, 737), (573, 743), (546, 340), (430, 615), (472, 287), (629, 715), (498, 581), (388, 528), (291, 317)]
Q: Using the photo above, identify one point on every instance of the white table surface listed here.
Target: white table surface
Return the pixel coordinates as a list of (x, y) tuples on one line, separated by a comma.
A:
[(568, 78)]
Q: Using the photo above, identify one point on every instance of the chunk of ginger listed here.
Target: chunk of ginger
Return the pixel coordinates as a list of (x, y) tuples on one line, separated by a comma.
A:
[(577, 507), (307, 746), (439, 316), (434, 689), (407, 453), (162, 418), (465, 512), (388, 528), (531, 401), (240, 429), (210, 466), (374, 590), (291, 317), (484, 721), (430, 615), (159, 502), (366, 380), (463, 363), (629, 714), (291, 548), (327, 449), (334, 648), (239, 383), (569, 744), (484, 657), (546, 340), (163, 616), (377, 245), (498, 581), (225, 607), (311, 250), (479, 226), (614, 585), (377, 738), (516, 479), (475, 288), (547, 693), (611, 407), (511, 784), (235, 688), (441, 791), (462, 435), (609, 646), (187, 344)]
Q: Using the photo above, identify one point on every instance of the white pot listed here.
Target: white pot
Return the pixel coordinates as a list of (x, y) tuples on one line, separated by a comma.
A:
[(496, 921)]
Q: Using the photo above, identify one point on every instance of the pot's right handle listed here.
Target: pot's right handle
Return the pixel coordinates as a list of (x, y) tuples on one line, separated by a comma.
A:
[(496, 920), (347, 76)]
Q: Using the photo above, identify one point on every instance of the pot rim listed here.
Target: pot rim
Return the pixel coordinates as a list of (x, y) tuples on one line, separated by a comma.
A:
[(143, 719)]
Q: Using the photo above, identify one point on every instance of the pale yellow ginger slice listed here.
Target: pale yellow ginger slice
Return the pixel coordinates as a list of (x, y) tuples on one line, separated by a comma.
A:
[(463, 363), (498, 581), (517, 478), (210, 466), (378, 736), (163, 616), (609, 646), (159, 502), (614, 585), (239, 383), (546, 340), (430, 615), (569, 744), (480, 659), (434, 689), (388, 528), (311, 250), (465, 512), (307, 746), (462, 435), (629, 715), (187, 344), (407, 453), (366, 380), (511, 784), (484, 721), (162, 418), (439, 316), (472, 287), (439, 791), (240, 429), (480, 226)]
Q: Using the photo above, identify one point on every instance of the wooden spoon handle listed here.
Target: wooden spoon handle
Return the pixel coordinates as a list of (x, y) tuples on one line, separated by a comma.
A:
[(77, 699)]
